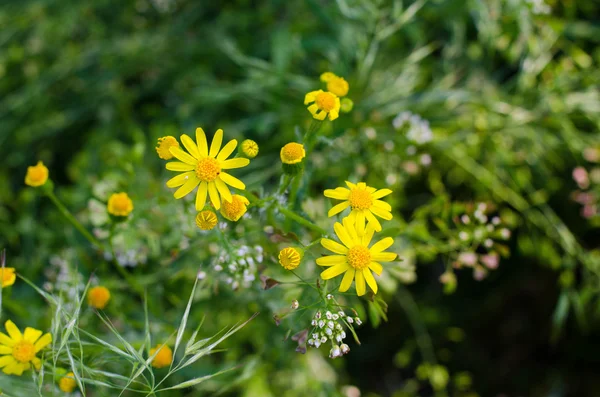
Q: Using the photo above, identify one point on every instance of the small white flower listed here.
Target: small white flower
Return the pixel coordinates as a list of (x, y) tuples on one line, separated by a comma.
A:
[(317, 343), (335, 351), (330, 324), (323, 339), (328, 315), (315, 336), (321, 323), (342, 314), (335, 316), (488, 243), (329, 296), (328, 331), (344, 348), (318, 315), (295, 304), (343, 334), (350, 320), (313, 323), (311, 342), (464, 236), (358, 322), (496, 220), (505, 233)]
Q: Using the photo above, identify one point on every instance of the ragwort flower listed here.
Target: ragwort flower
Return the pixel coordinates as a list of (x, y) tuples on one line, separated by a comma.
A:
[(119, 204), (67, 383), (98, 297), (205, 167), (354, 257), (234, 209), (164, 144), (364, 203), (7, 276), (206, 220), (290, 258), (37, 175), (163, 358), (335, 84), (18, 351), (325, 104)]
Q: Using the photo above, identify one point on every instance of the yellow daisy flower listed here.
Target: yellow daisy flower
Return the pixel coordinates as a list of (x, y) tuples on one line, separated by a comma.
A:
[(119, 204), (290, 258), (163, 358), (325, 104), (364, 203), (354, 257), (37, 175), (17, 350), (67, 383), (205, 167), (206, 220), (292, 153), (335, 84), (164, 144), (7, 276), (235, 209)]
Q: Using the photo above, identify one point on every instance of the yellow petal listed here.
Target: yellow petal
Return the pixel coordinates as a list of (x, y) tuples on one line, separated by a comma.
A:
[(336, 209), (349, 226), (347, 280), (310, 97), (42, 342), (215, 145), (201, 196), (190, 146), (313, 109), (382, 205), (5, 360), (183, 156), (370, 279), (37, 363), (223, 190), (178, 166), (381, 245), (340, 193), (227, 150), (5, 340), (331, 260), (381, 193), (232, 181), (333, 246), (360, 222), (180, 179), (384, 256), (350, 185), (237, 162), (186, 188), (5, 349), (321, 115), (31, 334), (373, 222), (13, 331), (343, 235), (368, 236), (201, 141), (381, 213), (361, 289), (13, 368), (335, 270), (333, 114), (214, 195), (376, 267)]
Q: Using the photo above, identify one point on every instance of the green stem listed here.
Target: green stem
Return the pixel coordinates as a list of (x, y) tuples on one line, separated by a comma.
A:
[(304, 222), (67, 214)]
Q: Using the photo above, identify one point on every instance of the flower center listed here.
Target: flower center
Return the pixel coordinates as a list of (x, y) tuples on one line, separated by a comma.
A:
[(360, 199), (359, 257), (325, 101), (292, 153), (121, 203), (208, 169), (23, 351)]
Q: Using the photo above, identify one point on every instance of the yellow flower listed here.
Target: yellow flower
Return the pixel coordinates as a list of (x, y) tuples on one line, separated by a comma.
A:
[(250, 148), (325, 77), (163, 358), (355, 258), (67, 383), (338, 86), (37, 175), (164, 144), (98, 297), (292, 153), (205, 167), (364, 203), (7, 276), (289, 258), (119, 204), (235, 209), (17, 351), (206, 220), (325, 103)]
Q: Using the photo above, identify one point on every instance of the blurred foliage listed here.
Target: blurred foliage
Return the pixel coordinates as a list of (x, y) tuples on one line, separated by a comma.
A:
[(510, 97)]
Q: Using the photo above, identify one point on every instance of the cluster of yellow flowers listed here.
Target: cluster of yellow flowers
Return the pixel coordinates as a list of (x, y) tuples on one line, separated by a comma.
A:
[(327, 103), (205, 168)]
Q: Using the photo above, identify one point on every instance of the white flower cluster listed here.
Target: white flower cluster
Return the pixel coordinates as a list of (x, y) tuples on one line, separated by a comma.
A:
[(65, 282), (239, 265), (330, 327), (418, 128), (539, 7)]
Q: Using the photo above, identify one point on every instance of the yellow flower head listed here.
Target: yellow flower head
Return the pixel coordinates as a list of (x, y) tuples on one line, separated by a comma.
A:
[(7, 276), (250, 148), (235, 209), (338, 86), (325, 103), (164, 144), (18, 351), (67, 383), (205, 168), (98, 297), (354, 257), (364, 203), (119, 204), (327, 76), (289, 258), (163, 358), (37, 175), (292, 153), (206, 220)]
